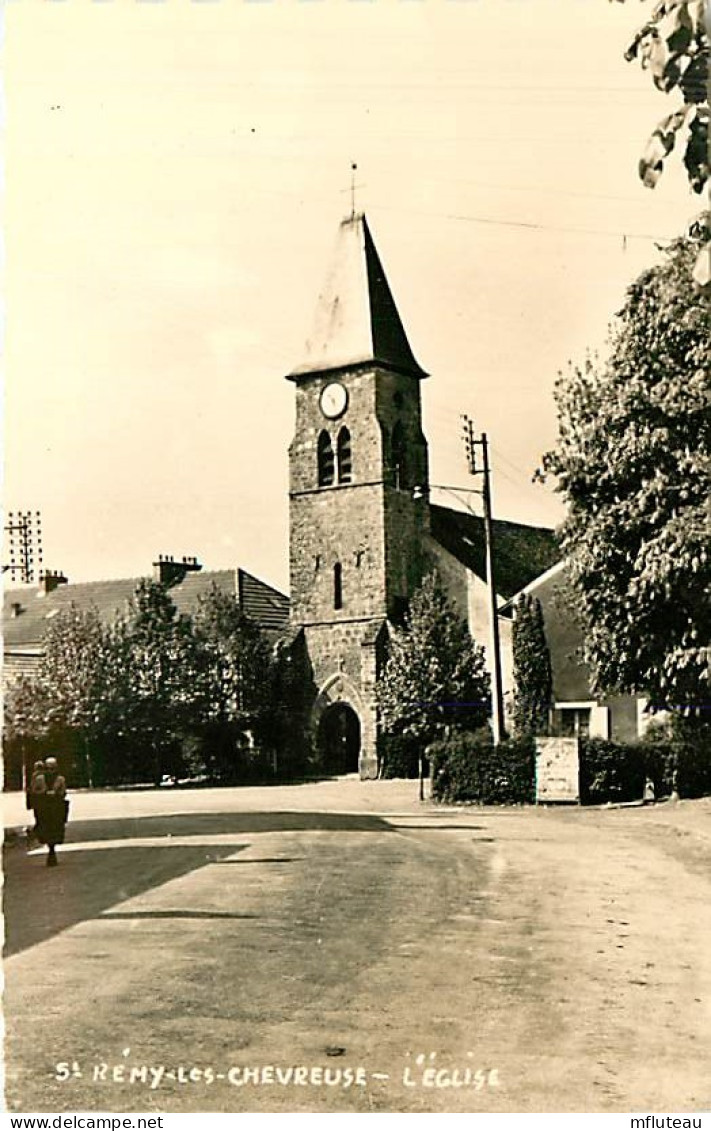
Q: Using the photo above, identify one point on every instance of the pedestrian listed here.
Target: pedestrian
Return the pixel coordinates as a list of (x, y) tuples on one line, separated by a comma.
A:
[(52, 810), (35, 789), (648, 795)]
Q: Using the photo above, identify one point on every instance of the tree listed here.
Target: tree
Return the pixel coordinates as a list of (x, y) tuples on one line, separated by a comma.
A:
[(435, 675), (57, 703), (633, 463), (151, 678), (233, 674), (293, 692), (533, 678), (674, 46)]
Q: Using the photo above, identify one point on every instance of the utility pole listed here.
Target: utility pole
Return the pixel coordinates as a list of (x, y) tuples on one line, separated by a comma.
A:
[(23, 546), (497, 695)]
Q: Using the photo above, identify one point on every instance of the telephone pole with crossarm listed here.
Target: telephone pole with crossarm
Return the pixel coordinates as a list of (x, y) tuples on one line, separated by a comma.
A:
[(471, 444)]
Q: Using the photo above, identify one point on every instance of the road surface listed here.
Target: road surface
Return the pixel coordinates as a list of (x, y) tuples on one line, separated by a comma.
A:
[(341, 947)]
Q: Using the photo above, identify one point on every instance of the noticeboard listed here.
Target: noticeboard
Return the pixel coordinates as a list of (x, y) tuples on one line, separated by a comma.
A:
[(557, 770)]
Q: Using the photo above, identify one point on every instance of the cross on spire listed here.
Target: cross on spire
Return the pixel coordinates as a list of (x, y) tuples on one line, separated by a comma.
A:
[(352, 189)]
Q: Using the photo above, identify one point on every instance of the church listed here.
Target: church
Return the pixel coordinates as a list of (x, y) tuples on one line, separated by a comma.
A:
[(362, 530)]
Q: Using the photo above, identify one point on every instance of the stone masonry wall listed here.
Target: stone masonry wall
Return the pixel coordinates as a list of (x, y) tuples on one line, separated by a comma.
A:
[(372, 527)]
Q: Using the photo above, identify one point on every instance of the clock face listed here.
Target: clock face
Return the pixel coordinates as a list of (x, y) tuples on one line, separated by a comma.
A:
[(334, 399)]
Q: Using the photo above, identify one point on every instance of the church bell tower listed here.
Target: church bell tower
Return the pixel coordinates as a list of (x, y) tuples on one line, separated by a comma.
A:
[(358, 494)]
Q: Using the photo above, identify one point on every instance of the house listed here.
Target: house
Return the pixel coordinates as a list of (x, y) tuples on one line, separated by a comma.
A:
[(576, 709), (28, 609)]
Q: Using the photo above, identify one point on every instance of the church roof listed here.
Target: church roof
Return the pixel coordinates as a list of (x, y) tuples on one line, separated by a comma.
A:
[(357, 322), (521, 552), (27, 611)]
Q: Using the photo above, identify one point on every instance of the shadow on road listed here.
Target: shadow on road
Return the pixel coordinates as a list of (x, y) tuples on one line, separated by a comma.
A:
[(39, 902), (220, 824), (178, 914), (420, 828)]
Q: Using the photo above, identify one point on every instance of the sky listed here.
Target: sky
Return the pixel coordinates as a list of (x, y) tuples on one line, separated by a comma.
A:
[(175, 173)]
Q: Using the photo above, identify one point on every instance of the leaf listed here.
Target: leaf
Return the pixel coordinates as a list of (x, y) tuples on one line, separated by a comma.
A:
[(650, 173), (681, 31), (696, 156), (702, 267), (667, 74), (694, 81)]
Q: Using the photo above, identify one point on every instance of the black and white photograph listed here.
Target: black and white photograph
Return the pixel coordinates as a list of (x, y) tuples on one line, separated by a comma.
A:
[(356, 559)]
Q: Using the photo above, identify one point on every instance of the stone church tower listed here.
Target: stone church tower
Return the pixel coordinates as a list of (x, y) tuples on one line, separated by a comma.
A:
[(358, 494)]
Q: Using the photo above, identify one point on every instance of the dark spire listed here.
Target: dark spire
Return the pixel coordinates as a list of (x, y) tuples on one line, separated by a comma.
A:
[(357, 321)]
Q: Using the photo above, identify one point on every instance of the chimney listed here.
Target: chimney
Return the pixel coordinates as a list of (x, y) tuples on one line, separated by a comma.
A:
[(15, 609), (166, 571), (49, 580)]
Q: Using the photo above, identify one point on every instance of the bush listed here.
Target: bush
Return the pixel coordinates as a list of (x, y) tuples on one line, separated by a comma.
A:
[(468, 767), (399, 756), (674, 754), (691, 742), (683, 744), (612, 771)]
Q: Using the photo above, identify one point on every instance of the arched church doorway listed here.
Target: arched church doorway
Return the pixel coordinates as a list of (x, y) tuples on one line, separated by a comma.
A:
[(339, 739)]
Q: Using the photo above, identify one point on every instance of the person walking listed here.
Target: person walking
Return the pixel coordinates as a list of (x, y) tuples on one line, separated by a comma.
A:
[(52, 807), (34, 790)]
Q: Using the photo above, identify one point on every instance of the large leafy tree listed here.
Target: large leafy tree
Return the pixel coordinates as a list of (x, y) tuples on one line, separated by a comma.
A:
[(62, 691), (435, 675), (131, 696), (633, 463), (233, 678), (60, 699), (151, 678), (533, 678)]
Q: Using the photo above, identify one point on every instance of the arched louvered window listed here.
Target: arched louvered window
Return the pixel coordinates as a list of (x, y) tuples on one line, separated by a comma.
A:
[(338, 586), (398, 457), (343, 452), (325, 460)]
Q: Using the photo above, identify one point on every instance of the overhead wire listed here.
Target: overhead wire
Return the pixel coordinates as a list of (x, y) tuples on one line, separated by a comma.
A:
[(525, 224)]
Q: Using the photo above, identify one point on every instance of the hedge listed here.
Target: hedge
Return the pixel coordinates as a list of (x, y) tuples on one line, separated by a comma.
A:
[(614, 771), (611, 771), (398, 756), (684, 744), (468, 767)]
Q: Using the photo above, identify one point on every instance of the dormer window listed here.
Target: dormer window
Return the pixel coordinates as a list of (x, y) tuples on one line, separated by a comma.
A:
[(325, 460), (343, 451)]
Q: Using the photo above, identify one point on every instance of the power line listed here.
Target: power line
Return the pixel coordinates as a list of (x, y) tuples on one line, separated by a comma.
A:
[(525, 224), (490, 221)]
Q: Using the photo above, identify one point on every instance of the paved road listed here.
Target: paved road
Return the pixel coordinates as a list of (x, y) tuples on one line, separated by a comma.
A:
[(340, 947)]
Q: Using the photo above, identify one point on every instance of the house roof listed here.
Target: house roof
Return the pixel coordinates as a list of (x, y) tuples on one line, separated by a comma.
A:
[(541, 582), (572, 677), (521, 552), (356, 322), (265, 605)]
